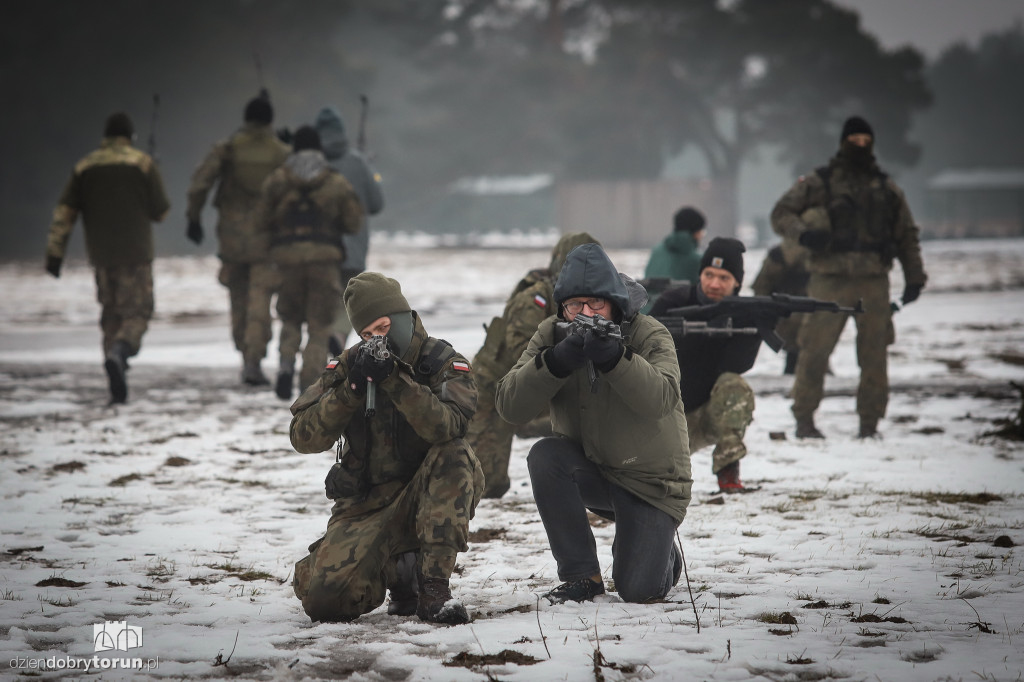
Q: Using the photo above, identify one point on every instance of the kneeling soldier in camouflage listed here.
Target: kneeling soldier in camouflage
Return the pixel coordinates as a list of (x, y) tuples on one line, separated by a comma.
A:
[(406, 483)]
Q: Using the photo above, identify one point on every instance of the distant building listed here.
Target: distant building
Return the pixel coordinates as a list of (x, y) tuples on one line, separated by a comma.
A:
[(974, 202)]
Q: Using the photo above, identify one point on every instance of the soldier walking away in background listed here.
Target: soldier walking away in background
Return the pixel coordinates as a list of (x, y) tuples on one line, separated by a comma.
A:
[(868, 224), (406, 484), (305, 208), (719, 403), (118, 191), (784, 271), (366, 183), (676, 257), (240, 164), (531, 302), (619, 445)]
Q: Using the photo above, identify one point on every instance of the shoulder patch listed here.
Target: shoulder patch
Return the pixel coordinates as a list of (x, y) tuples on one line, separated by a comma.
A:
[(332, 363), (540, 300), (460, 366)]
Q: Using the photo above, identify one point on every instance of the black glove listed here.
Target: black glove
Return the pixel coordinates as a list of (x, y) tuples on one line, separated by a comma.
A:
[(365, 368), (603, 351), (815, 240), (53, 264), (911, 292), (566, 356), (195, 231)]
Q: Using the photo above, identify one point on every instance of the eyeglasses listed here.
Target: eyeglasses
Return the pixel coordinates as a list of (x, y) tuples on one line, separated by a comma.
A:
[(575, 306)]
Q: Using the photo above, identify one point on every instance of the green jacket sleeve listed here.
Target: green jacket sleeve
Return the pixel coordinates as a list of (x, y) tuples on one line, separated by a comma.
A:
[(529, 385), (648, 378), (324, 410), (204, 178)]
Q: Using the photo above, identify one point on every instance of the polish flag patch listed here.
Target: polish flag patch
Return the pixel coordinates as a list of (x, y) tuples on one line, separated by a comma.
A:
[(332, 363), (460, 366), (540, 300)]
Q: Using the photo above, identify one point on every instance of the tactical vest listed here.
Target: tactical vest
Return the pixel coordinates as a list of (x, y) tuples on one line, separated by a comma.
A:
[(250, 159), (348, 477), (862, 215), (304, 220)]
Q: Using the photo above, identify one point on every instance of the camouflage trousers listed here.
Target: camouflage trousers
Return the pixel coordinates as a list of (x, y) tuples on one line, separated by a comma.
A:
[(125, 295), (237, 277), (342, 325), (263, 281), (722, 421), (490, 436), (350, 567), (820, 332), (308, 295)]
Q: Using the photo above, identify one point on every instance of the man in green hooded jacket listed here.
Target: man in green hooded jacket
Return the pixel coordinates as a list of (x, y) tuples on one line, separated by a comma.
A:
[(619, 446), (531, 302)]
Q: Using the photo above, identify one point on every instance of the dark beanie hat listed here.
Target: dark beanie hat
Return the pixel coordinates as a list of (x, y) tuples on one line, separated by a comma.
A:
[(725, 253), (306, 137), (258, 110), (370, 296), (688, 219), (855, 125), (118, 125)]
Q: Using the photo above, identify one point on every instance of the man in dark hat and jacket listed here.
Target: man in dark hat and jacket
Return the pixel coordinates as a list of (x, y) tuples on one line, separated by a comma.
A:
[(238, 166), (118, 192), (719, 403), (863, 223), (619, 446)]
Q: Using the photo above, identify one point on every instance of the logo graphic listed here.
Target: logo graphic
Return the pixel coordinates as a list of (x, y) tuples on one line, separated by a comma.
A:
[(717, 262), (116, 634)]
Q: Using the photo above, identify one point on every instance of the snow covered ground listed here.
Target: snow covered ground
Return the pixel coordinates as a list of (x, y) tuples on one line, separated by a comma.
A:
[(182, 512)]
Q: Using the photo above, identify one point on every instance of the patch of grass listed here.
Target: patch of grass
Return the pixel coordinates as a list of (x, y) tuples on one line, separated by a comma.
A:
[(57, 581), (487, 534), (92, 501), (468, 660), (122, 481), (751, 534), (958, 498), (780, 508), (251, 575), (175, 461), (799, 660), (8, 595), (772, 618), (248, 484), (880, 600), (163, 439), (115, 583), (67, 467), (807, 495), (873, 618)]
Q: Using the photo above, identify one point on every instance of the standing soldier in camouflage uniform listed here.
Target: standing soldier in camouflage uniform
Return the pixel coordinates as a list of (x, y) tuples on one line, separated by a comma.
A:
[(406, 483), (531, 302), (719, 402), (784, 271), (354, 168), (240, 164), (118, 192), (304, 209), (869, 224)]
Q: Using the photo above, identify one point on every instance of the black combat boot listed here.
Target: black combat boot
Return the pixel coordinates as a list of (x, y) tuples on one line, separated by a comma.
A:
[(253, 375), (868, 429), (116, 364), (805, 428), (576, 590), (284, 385), (436, 604), (405, 590)]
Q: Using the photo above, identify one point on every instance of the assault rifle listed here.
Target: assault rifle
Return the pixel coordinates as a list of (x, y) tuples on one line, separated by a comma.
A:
[(679, 327), (763, 312), (581, 324), (377, 349)]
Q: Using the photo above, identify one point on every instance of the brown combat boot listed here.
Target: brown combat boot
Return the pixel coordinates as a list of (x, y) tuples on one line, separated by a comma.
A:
[(436, 604), (729, 479), (805, 428), (405, 590)]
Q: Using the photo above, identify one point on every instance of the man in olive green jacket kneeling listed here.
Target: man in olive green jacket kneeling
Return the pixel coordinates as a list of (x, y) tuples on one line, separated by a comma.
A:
[(620, 443)]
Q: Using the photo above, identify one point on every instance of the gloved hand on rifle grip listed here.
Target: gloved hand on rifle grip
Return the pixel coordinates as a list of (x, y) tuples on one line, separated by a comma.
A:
[(815, 240), (194, 231), (53, 265), (566, 356), (603, 351), (911, 292)]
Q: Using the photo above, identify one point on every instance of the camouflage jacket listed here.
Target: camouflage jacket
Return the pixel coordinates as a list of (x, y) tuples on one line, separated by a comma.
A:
[(118, 191), (867, 214), (305, 206), (531, 302), (238, 166), (415, 409)]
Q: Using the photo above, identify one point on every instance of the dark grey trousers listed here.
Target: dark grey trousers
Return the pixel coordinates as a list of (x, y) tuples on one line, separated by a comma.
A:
[(645, 562)]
